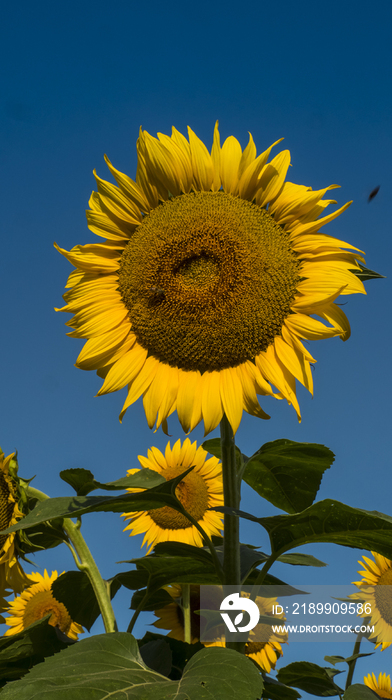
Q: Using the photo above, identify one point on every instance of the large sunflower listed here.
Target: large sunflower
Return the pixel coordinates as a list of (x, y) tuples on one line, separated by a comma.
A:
[(200, 490), (11, 572), (171, 618), (376, 592), (208, 280), (382, 686), (36, 602)]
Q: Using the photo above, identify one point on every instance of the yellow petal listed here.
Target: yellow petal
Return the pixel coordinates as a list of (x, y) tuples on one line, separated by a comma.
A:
[(95, 257), (249, 181), (124, 370), (272, 178), (248, 156), (188, 395), (232, 397), (97, 349), (216, 156), (129, 188), (211, 403), (230, 162), (140, 384), (203, 169)]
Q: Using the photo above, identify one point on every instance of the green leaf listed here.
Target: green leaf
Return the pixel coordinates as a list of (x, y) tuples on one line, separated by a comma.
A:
[(75, 591), (19, 652), (340, 659), (155, 601), (75, 506), (82, 480), (360, 692), (331, 521), (166, 570), (365, 274), (181, 652), (310, 678), (299, 559), (109, 666), (288, 474), (158, 656), (273, 690)]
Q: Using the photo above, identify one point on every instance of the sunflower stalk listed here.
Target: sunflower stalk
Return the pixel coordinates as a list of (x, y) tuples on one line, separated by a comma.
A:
[(186, 610), (85, 562), (232, 495)]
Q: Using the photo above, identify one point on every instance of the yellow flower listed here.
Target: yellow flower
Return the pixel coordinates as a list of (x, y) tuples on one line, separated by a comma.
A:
[(382, 687), (376, 594), (36, 602), (207, 283), (264, 653), (11, 572), (200, 490)]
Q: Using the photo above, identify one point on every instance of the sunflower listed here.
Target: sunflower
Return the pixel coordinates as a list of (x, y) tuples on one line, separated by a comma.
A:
[(36, 602), (382, 686), (376, 592), (200, 490), (11, 572), (208, 280), (264, 653)]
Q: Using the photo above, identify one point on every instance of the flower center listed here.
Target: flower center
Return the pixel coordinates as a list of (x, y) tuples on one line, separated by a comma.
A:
[(42, 603), (208, 280), (383, 596), (6, 508), (192, 492)]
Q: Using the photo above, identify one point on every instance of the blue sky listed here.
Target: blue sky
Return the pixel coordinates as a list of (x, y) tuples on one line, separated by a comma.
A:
[(79, 80)]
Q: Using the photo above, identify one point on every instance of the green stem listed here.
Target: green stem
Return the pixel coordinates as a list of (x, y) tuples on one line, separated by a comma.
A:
[(231, 492), (139, 608), (260, 579), (352, 664), (231, 542), (86, 563), (186, 611)]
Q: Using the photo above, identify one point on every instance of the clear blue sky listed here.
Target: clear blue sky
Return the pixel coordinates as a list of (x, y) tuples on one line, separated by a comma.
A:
[(78, 80)]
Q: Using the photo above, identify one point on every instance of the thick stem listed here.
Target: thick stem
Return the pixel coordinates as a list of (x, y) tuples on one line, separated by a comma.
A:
[(231, 492), (86, 563), (186, 611)]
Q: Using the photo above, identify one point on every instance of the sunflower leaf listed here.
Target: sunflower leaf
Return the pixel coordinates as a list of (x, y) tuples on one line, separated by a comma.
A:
[(19, 652), (273, 690), (300, 559), (75, 591), (287, 473), (83, 481), (110, 664), (310, 678), (334, 522), (76, 506), (365, 274), (181, 652), (359, 692)]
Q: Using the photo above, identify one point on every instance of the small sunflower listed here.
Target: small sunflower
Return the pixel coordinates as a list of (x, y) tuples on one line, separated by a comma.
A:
[(376, 592), (200, 490), (11, 572), (36, 602), (208, 281), (382, 686), (264, 653)]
